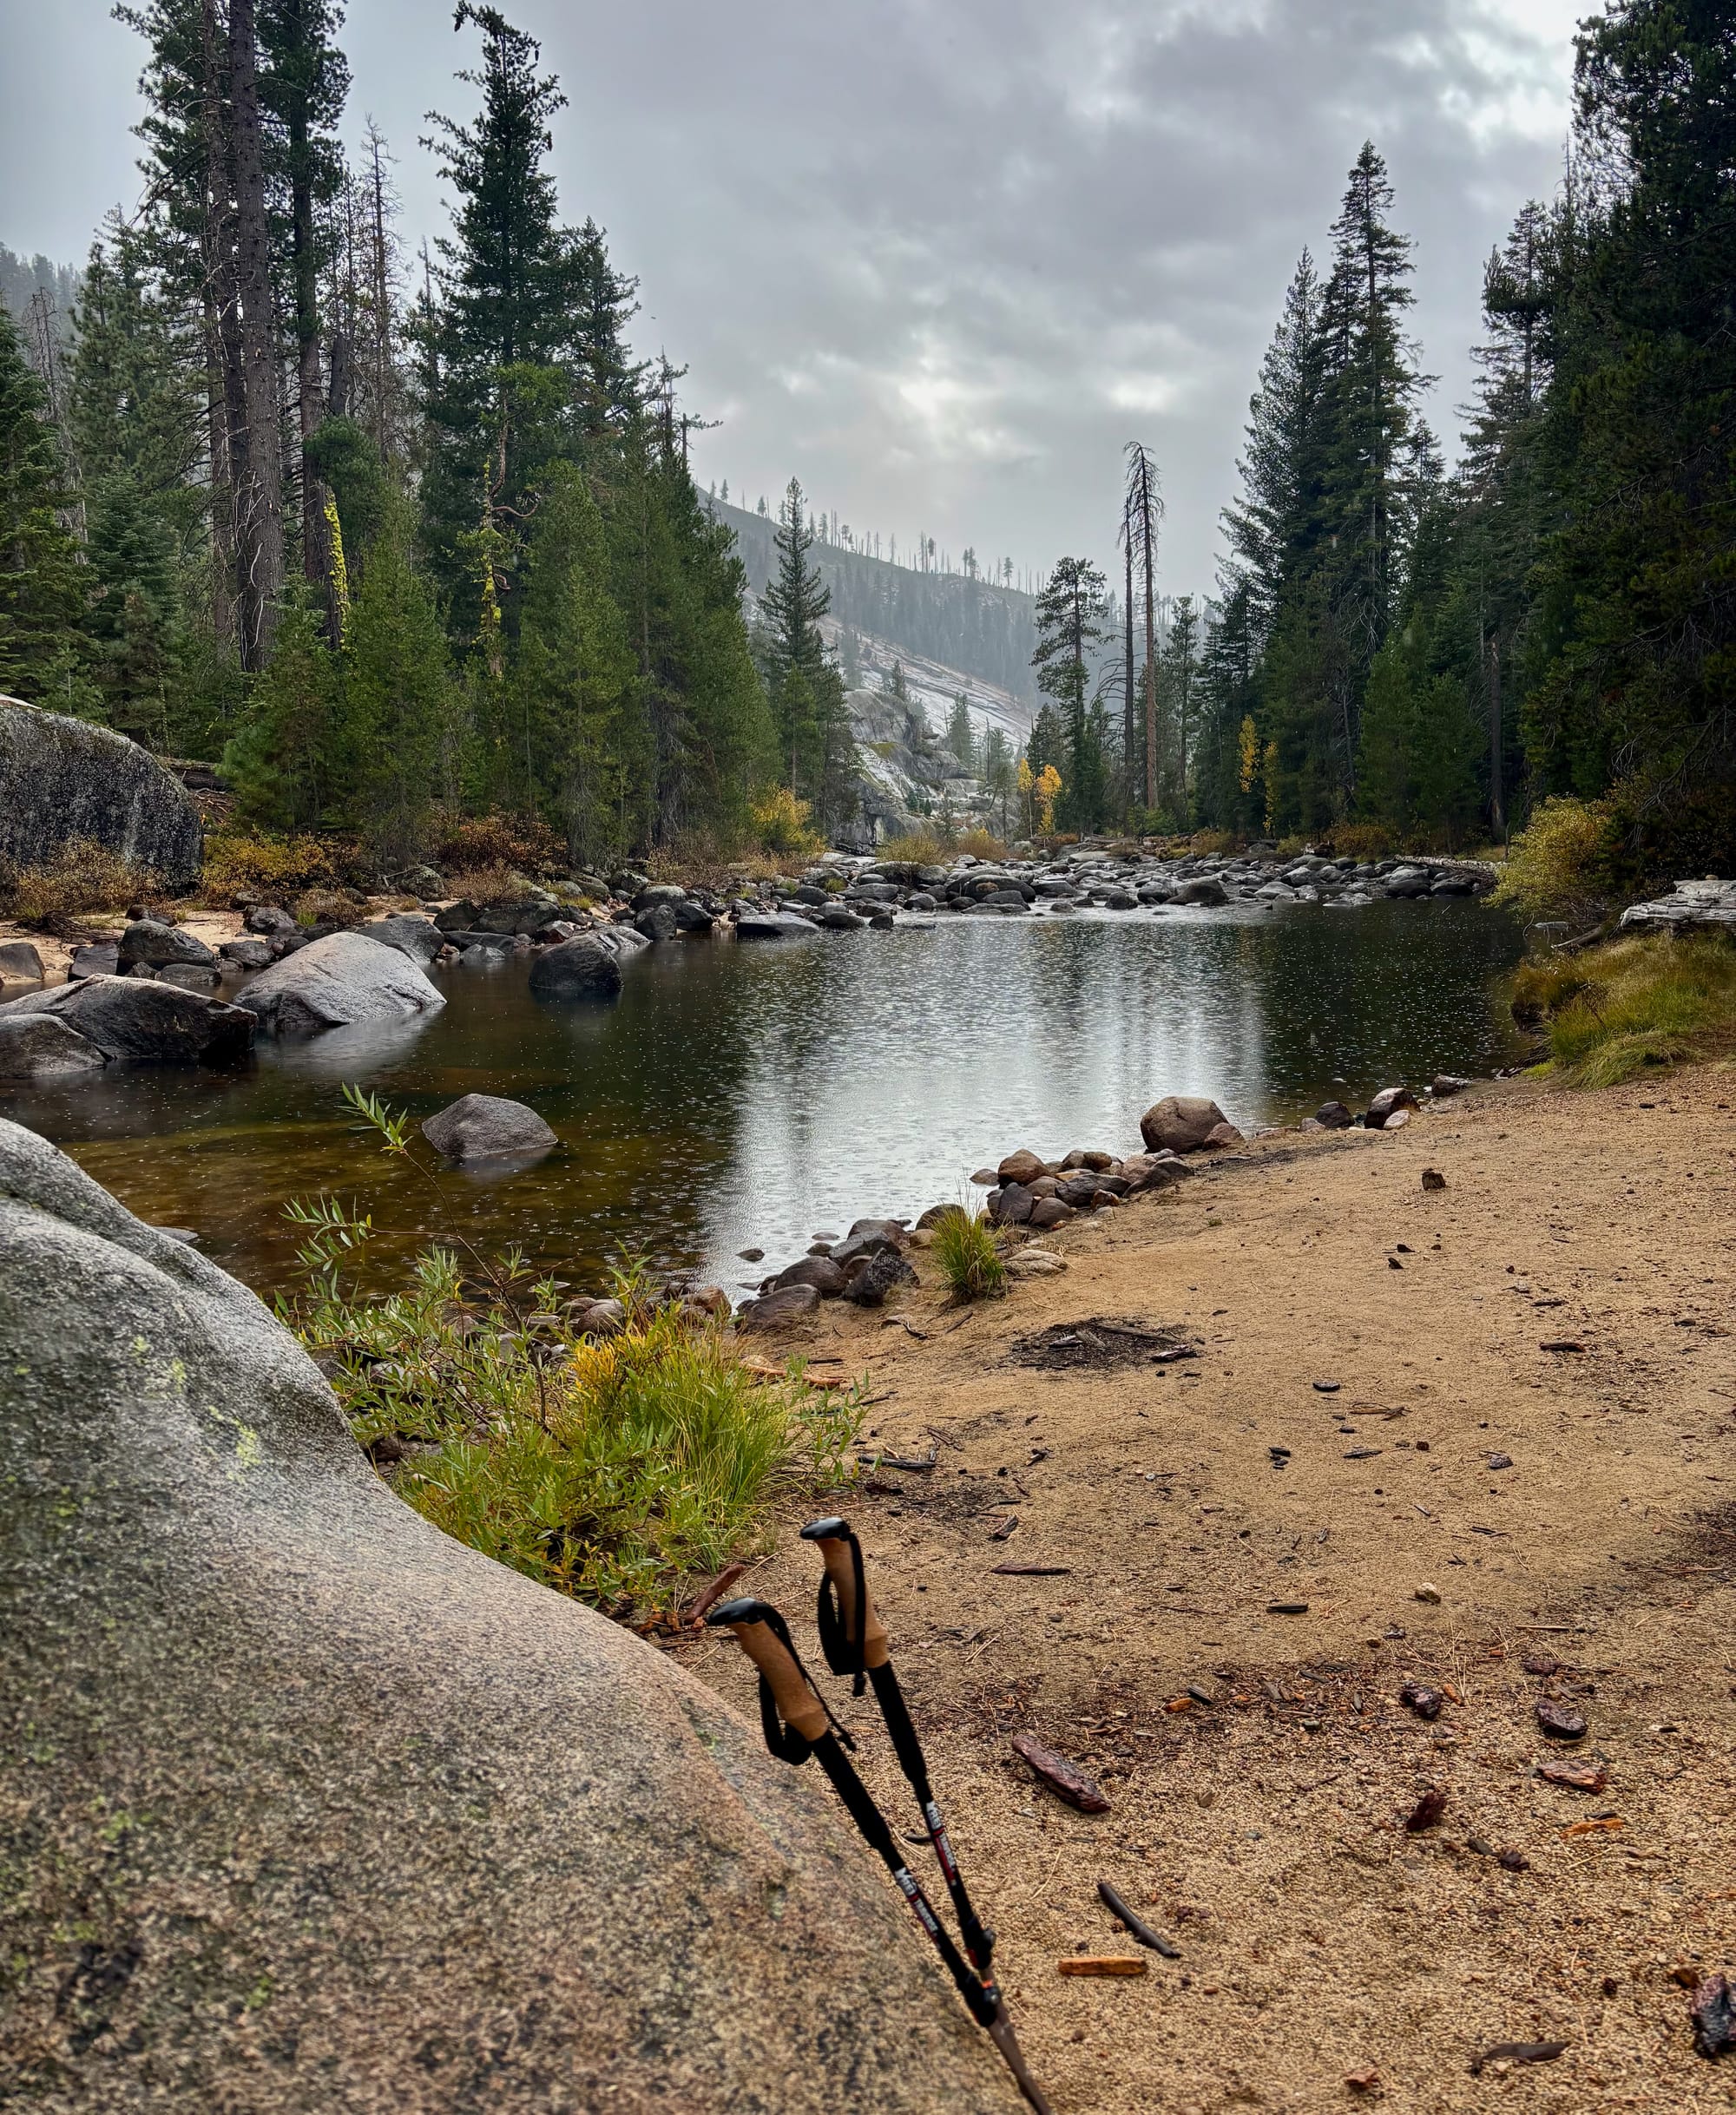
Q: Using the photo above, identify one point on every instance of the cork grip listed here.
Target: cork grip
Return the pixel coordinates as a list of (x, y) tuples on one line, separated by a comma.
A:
[(840, 1569), (798, 1706)]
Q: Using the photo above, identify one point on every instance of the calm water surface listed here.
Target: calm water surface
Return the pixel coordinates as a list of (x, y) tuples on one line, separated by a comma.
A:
[(744, 1096)]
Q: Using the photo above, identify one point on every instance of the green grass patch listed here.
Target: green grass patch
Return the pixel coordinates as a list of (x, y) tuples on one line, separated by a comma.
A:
[(967, 1256), (1610, 1013), (617, 1469)]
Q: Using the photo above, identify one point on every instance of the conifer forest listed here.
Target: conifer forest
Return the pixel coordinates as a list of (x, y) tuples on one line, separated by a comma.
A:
[(398, 538)]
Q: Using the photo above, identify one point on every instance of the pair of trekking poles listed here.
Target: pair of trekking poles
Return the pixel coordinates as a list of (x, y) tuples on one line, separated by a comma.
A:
[(797, 1722)]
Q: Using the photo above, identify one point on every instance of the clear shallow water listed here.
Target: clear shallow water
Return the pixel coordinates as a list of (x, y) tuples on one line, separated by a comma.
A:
[(755, 1095)]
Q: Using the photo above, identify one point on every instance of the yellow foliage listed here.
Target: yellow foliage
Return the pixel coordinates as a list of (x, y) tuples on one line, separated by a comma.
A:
[(248, 862), (1247, 750), (782, 823)]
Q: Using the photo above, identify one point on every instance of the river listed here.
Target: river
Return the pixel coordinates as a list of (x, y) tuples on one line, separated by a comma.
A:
[(742, 1096)]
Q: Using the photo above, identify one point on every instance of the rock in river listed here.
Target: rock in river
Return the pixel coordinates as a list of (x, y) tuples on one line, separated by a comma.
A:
[(19, 962), (1182, 1122), (819, 1271), (587, 967), (773, 925), (338, 983), (487, 1127), (318, 1804), (149, 940), (137, 1017), (419, 938), (63, 779), (37, 1047)]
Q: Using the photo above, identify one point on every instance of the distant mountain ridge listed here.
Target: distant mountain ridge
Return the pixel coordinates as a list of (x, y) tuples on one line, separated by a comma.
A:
[(984, 630)]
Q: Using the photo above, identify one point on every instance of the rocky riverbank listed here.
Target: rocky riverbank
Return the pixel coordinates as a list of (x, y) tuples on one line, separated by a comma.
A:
[(1439, 1411)]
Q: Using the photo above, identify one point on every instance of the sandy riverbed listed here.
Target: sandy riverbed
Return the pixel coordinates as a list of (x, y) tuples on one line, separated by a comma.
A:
[(1266, 1835)]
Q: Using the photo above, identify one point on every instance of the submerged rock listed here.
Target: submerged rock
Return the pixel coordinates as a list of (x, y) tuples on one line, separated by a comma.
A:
[(338, 983), (38, 1047), (466, 1805), (62, 779), (487, 1127), (140, 1018), (587, 967)]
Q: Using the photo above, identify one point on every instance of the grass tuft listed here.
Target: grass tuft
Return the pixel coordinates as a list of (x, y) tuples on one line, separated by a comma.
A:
[(967, 1256), (1612, 1012)]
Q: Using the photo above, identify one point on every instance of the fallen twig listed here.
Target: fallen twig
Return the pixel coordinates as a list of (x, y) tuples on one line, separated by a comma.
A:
[(1136, 1925)]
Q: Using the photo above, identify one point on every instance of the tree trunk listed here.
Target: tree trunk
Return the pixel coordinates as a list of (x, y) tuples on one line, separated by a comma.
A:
[(222, 372), (259, 491), (1129, 708)]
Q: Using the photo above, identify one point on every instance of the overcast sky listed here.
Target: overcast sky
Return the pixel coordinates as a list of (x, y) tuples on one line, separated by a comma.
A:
[(941, 259)]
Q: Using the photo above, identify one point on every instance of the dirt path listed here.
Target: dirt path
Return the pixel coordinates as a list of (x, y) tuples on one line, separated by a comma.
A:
[(1264, 1832)]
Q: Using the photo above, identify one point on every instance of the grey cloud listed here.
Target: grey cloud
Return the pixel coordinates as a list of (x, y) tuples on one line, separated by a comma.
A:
[(942, 260)]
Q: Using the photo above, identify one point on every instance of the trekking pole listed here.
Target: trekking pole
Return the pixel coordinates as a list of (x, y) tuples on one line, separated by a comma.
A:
[(855, 1643), (798, 1723)]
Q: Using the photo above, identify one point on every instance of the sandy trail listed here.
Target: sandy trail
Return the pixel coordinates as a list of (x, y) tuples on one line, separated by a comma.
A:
[(1265, 1833)]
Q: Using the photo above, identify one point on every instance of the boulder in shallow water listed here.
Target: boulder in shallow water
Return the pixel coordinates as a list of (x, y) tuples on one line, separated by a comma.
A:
[(19, 962), (62, 779), (780, 1309), (487, 1127), (139, 1018), (819, 1271), (773, 925), (587, 968), (1333, 1116), (1206, 889), (1181, 1122), (38, 1047), (419, 938), (153, 940), (316, 1804), (338, 983)]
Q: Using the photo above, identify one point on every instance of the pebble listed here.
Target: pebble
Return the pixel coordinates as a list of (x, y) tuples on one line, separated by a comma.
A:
[(1428, 1593)]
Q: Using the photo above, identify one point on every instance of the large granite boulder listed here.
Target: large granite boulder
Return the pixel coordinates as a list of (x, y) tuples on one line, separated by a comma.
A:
[(304, 1806), (487, 1127), (1181, 1123), (62, 779), (586, 968), (338, 983), (20, 964), (140, 1018)]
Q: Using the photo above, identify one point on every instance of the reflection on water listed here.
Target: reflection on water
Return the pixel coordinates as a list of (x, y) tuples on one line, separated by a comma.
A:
[(741, 1096)]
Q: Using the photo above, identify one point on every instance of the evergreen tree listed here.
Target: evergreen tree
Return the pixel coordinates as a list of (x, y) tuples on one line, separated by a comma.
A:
[(574, 680), (288, 759), (399, 702), (960, 736), (40, 589), (1069, 627)]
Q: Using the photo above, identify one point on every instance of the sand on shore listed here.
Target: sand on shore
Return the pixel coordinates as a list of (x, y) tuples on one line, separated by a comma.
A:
[(1266, 1833)]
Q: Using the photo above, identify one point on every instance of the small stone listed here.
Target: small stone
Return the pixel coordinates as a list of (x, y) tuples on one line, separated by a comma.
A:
[(1287, 1608), (1433, 1178), (1427, 1811), (1428, 1593), (1418, 1697), (1559, 1721), (751, 1255), (1501, 1460), (1514, 1862)]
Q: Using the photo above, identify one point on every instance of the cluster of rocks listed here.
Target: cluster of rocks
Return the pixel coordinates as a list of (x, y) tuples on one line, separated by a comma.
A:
[(844, 894)]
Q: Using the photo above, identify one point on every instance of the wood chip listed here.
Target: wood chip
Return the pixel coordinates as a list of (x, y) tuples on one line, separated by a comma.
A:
[(1573, 1780), (1559, 1721), (1104, 1963), (1560, 1343), (1004, 1529), (1065, 1779), (1034, 1571), (1115, 1902), (1517, 2053), (1427, 1811), (1602, 1824)]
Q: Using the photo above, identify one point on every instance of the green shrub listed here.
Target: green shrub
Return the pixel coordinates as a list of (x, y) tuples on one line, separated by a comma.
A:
[(967, 1256), (615, 1470), (1563, 863), (1612, 1012)]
